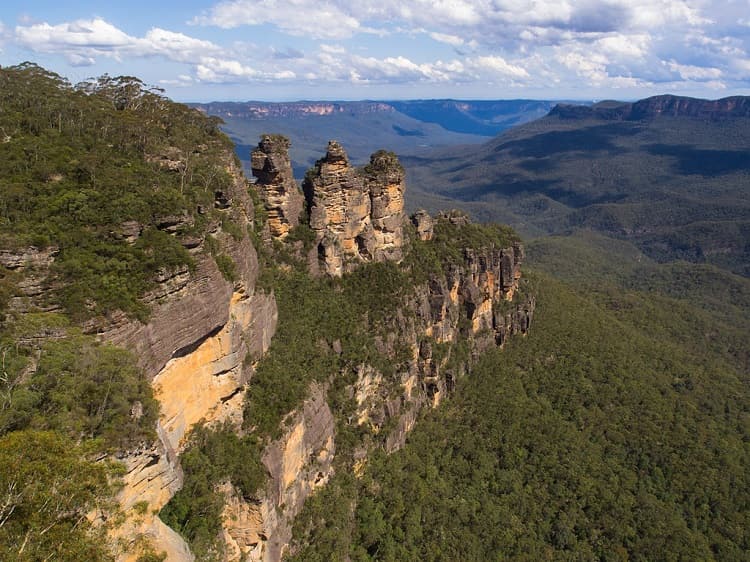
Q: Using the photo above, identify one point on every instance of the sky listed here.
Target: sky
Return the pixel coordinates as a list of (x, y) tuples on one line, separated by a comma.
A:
[(282, 50)]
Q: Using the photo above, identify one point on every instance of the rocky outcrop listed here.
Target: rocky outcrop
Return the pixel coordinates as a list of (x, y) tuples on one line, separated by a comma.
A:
[(207, 383), (475, 302), (30, 268), (423, 222), (281, 195), (152, 476), (356, 214)]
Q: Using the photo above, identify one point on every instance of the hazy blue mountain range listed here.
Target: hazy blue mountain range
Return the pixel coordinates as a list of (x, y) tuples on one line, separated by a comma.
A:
[(405, 127), (670, 174)]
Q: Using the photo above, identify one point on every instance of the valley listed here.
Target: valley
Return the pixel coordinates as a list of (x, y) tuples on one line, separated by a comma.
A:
[(405, 127), (526, 340)]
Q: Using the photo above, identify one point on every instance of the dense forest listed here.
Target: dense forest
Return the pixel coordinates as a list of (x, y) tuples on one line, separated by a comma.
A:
[(617, 430)]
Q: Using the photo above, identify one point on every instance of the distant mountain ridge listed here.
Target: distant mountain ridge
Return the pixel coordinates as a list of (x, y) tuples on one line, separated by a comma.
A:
[(264, 110), (671, 174), (665, 105), (405, 127)]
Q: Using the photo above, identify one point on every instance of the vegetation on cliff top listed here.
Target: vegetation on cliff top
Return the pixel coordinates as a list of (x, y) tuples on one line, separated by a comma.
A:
[(81, 165)]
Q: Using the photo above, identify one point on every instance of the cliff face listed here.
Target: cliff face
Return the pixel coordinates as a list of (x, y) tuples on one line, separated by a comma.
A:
[(666, 105), (444, 326), (356, 214), (265, 110), (470, 303), (281, 196), (193, 348), (203, 327)]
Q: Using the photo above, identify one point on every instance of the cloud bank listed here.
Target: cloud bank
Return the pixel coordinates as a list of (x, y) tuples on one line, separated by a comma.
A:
[(554, 45)]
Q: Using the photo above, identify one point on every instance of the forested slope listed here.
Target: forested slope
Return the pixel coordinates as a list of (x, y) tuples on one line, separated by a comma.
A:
[(617, 430)]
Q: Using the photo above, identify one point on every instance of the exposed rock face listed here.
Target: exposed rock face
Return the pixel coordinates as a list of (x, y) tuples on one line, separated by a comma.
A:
[(477, 301), (207, 383), (424, 224), (357, 214), (282, 197), (184, 309), (193, 347), (153, 475), (33, 264), (298, 463), (474, 302)]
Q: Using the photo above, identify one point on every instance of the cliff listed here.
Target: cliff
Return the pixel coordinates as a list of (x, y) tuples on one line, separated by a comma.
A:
[(458, 292), (202, 324), (201, 328), (265, 110), (180, 285), (665, 105)]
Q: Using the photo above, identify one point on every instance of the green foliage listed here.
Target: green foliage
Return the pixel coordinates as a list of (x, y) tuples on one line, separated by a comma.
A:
[(449, 244), (226, 266), (152, 557), (76, 162), (599, 436), (303, 233), (213, 457), (78, 387), (7, 288), (47, 488)]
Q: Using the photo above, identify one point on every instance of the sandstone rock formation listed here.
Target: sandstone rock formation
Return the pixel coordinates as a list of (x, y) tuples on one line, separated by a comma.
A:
[(193, 348), (423, 222), (475, 302), (281, 196), (298, 462), (356, 214)]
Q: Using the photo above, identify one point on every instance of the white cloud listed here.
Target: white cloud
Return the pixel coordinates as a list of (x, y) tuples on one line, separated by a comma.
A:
[(696, 73), (175, 46), (594, 68), (319, 19), (454, 40), (627, 46), (568, 45), (82, 41), (498, 65), (94, 35)]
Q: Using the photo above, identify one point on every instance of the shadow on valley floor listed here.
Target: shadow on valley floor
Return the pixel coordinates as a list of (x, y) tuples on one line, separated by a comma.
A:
[(691, 160), (590, 139)]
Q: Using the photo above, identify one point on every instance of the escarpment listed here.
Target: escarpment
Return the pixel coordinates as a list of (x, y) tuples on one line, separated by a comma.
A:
[(456, 290), (203, 324), (205, 318), (282, 346)]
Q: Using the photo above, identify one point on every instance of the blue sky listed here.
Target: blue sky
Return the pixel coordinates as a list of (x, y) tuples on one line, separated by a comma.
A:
[(198, 50)]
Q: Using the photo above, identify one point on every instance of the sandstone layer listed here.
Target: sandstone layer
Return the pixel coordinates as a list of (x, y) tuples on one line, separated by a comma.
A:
[(281, 195), (356, 214)]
